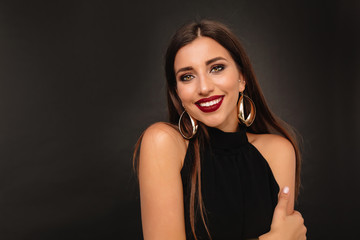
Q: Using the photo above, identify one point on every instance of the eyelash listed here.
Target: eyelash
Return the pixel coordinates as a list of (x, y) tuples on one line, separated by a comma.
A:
[(222, 67), (182, 77), (217, 67)]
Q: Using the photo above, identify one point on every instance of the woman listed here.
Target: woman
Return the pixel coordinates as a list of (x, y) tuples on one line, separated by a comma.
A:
[(214, 171)]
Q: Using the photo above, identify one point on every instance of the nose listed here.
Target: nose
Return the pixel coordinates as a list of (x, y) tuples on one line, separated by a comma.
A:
[(206, 85)]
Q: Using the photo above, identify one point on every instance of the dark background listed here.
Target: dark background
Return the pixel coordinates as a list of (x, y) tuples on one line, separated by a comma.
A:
[(80, 81)]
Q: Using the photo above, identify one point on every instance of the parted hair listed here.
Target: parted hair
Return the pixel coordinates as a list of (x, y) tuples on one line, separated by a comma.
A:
[(265, 121)]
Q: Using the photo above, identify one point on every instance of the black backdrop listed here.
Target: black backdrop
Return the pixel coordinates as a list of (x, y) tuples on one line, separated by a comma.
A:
[(80, 81)]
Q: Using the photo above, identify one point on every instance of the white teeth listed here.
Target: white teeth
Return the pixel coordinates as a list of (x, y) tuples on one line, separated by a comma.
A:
[(208, 104)]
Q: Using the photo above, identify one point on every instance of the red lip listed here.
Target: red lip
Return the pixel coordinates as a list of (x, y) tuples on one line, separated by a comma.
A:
[(211, 108)]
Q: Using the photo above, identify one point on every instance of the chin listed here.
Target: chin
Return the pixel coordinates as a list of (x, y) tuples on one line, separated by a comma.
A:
[(212, 122)]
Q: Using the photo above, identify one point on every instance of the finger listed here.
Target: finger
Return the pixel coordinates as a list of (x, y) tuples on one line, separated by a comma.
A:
[(297, 216), (296, 213), (281, 207)]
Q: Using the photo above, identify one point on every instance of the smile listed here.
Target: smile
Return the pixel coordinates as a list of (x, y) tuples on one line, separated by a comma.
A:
[(210, 104)]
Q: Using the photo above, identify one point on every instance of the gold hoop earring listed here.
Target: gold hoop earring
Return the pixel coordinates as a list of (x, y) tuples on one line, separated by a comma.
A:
[(194, 126), (241, 106)]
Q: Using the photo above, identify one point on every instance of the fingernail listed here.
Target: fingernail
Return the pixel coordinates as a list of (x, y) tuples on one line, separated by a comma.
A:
[(286, 190)]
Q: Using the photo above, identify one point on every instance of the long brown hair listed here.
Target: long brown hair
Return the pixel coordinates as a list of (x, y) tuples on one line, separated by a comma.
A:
[(265, 121)]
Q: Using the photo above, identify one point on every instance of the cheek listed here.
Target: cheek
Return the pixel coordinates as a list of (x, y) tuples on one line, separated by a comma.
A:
[(232, 88), (230, 85), (229, 81), (185, 93)]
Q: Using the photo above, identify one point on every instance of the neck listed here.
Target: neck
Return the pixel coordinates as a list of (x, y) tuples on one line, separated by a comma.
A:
[(233, 127)]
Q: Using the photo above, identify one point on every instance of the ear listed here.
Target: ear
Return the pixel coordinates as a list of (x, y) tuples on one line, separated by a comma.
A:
[(242, 83)]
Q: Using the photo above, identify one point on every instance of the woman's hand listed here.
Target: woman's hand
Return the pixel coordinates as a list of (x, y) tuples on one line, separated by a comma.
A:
[(284, 226)]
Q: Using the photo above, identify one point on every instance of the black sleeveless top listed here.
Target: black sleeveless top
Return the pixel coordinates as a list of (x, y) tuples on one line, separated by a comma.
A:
[(238, 188)]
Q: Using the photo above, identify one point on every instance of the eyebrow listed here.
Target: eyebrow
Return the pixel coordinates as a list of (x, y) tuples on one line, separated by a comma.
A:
[(208, 62)]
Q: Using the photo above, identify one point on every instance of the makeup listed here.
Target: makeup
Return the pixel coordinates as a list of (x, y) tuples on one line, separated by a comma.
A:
[(210, 104)]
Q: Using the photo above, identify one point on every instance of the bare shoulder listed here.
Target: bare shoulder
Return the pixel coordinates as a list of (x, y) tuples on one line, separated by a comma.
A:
[(273, 147), (161, 155), (162, 142), (280, 155)]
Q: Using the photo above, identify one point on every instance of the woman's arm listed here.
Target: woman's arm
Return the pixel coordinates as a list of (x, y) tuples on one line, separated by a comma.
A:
[(285, 226), (162, 210), (280, 155)]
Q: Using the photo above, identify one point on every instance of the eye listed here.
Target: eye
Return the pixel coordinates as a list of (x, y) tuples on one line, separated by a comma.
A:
[(186, 77), (217, 68)]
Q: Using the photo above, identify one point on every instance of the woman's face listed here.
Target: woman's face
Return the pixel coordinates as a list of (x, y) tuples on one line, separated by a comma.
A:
[(208, 83)]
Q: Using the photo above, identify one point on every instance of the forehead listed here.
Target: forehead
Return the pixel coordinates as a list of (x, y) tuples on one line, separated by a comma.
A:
[(199, 51)]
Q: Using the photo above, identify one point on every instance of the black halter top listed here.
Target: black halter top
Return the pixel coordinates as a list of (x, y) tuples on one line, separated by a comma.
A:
[(239, 190)]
